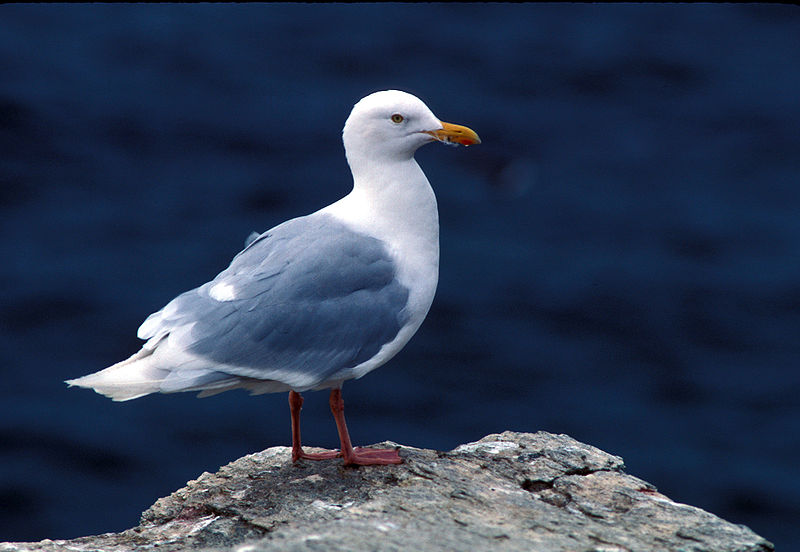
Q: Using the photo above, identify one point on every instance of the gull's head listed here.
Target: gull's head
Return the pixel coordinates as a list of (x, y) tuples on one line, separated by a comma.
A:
[(392, 124)]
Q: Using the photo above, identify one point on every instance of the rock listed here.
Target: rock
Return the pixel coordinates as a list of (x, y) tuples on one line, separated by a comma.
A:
[(509, 491)]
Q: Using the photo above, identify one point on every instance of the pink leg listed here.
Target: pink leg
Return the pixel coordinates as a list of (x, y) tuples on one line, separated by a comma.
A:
[(295, 404), (359, 456)]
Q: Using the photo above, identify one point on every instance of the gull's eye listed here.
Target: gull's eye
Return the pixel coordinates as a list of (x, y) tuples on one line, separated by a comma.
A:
[(397, 118)]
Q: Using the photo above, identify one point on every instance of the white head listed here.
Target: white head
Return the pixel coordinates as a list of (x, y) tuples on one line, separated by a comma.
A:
[(392, 125)]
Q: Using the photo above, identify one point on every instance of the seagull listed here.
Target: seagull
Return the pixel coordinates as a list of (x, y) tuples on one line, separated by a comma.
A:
[(319, 299)]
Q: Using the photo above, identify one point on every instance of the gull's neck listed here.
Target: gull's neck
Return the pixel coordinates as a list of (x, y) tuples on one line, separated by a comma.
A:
[(392, 201), (395, 203)]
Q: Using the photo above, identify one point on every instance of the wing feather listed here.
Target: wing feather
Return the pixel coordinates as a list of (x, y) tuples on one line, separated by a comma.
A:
[(302, 301)]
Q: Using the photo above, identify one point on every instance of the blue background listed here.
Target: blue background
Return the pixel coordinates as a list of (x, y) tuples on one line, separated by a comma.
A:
[(620, 257)]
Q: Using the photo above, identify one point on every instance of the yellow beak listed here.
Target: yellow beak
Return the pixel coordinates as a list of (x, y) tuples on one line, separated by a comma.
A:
[(456, 134)]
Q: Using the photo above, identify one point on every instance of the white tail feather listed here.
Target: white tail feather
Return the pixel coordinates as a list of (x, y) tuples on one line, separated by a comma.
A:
[(132, 378), (144, 373)]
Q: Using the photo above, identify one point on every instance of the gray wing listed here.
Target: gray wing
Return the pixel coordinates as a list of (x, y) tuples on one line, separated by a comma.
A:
[(301, 302)]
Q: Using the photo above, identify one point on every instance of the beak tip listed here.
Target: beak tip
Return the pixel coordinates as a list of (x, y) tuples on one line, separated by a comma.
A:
[(456, 134)]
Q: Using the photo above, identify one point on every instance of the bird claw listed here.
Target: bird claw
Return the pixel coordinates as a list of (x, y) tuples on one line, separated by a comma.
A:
[(359, 456), (302, 455), (371, 457)]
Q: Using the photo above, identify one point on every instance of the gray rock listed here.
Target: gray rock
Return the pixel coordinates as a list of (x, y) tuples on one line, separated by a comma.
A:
[(509, 491)]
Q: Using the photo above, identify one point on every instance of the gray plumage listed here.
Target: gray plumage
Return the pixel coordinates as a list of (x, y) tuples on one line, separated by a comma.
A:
[(300, 304), (251, 238), (310, 298)]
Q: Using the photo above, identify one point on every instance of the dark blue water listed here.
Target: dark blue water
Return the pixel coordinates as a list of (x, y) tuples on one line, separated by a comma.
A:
[(620, 257)]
